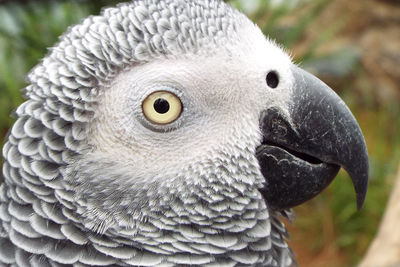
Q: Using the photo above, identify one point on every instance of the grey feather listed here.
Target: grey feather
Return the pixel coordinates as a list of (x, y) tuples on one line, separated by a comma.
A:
[(22, 258), (63, 204)]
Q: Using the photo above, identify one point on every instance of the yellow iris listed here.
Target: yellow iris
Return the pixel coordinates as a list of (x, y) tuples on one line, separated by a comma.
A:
[(162, 107)]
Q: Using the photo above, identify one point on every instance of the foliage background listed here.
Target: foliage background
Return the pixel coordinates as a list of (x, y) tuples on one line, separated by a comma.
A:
[(353, 46)]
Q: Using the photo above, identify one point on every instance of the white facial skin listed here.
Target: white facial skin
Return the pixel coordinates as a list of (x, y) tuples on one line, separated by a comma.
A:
[(222, 96)]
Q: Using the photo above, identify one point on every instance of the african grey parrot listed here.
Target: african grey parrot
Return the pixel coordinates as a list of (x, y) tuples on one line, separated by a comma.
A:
[(169, 133)]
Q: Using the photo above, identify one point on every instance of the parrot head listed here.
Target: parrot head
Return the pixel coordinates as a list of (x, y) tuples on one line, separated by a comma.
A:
[(177, 130)]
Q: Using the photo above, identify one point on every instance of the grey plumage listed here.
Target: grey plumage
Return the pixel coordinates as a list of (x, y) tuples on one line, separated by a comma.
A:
[(89, 181), (39, 213)]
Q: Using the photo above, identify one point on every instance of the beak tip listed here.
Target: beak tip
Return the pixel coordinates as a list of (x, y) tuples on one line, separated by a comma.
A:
[(361, 186), (361, 194), (360, 201)]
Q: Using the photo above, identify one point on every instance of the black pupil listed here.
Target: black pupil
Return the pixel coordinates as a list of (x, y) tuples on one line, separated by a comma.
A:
[(272, 79), (161, 105)]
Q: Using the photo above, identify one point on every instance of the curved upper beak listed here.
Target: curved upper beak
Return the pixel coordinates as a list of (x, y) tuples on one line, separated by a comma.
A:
[(319, 134)]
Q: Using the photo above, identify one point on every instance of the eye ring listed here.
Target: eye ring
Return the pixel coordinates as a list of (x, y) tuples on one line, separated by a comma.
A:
[(162, 107), (272, 79)]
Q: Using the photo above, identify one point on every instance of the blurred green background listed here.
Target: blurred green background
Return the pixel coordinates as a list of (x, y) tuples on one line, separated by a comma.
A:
[(354, 46)]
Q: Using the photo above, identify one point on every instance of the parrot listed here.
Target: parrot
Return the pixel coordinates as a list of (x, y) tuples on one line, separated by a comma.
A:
[(169, 133)]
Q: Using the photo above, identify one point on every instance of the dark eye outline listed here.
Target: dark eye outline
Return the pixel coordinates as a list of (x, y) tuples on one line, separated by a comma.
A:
[(272, 79)]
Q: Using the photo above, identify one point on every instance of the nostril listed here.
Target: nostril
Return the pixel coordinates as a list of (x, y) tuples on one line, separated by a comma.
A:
[(272, 79)]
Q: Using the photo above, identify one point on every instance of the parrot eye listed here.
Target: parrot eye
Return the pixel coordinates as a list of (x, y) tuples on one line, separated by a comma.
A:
[(272, 79), (162, 107)]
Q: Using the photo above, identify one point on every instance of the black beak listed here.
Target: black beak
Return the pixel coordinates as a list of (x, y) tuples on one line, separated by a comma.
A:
[(302, 153)]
